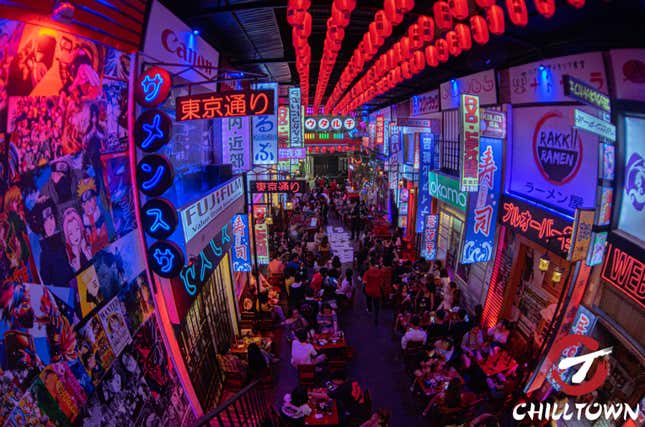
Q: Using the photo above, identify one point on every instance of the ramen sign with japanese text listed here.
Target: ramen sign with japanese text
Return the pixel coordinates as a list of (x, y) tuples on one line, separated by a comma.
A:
[(469, 118), (216, 105)]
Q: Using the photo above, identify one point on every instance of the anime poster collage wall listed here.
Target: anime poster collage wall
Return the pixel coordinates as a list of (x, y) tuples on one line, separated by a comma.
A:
[(78, 342)]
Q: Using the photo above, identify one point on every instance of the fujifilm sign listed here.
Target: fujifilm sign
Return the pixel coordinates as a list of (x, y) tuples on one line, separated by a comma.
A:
[(446, 189)]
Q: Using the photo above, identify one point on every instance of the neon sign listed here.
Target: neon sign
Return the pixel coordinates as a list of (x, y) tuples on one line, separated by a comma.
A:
[(154, 175), (429, 248), (469, 113), (581, 91), (153, 87), (548, 229), (215, 105), (623, 270), (200, 268), (241, 254), (159, 218), (165, 258), (152, 130), (291, 187)]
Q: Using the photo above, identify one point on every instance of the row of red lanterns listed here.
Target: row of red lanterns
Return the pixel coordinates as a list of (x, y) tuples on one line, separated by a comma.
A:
[(341, 11), (380, 29), (299, 18), (408, 56)]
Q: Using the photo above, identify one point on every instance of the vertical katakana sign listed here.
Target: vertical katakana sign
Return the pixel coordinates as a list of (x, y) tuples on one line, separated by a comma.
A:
[(235, 143), (265, 132), (295, 118)]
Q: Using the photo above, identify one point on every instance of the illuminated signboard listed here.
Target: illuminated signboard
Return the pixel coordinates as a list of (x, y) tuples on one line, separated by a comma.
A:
[(446, 189), (283, 125), (404, 197), (379, 137), (493, 124), (260, 235), (241, 252), (581, 237), (624, 267), (196, 216), (469, 136), (426, 158), (152, 130), (159, 218), (291, 187), (265, 132), (165, 258), (425, 103), (292, 153), (429, 247), (597, 247), (152, 87), (581, 91), (547, 228), (154, 175), (594, 125), (326, 124), (216, 105), (295, 118), (236, 143), (481, 216)]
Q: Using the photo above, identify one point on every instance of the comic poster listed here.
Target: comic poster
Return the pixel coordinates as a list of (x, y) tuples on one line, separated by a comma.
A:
[(67, 403), (119, 193), (10, 393), (28, 413), (10, 34), (16, 261), (114, 100), (48, 404), (88, 290), (50, 62), (117, 64), (94, 349), (113, 320), (4, 168), (119, 263), (136, 299)]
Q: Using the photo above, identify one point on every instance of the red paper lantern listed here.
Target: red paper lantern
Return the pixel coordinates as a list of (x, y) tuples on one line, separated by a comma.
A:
[(340, 17), (426, 24), (442, 16), (453, 43), (546, 8), (517, 12), (345, 5), (406, 52), (479, 29), (418, 62), (578, 4), (463, 35), (370, 48), (442, 50), (397, 53), (304, 29), (484, 3), (297, 41), (459, 9), (414, 34), (405, 70), (394, 14), (432, 56), (495, 20), (383, 24)]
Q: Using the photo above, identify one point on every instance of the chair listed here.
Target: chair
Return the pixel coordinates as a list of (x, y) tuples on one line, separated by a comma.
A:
[(411, 355), (306, 375), (234, 381)]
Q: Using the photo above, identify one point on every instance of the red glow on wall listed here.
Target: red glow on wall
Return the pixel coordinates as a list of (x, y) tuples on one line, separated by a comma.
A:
[(495, 297)]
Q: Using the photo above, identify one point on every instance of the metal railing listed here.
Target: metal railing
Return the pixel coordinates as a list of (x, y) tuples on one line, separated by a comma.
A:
[(247, 408)]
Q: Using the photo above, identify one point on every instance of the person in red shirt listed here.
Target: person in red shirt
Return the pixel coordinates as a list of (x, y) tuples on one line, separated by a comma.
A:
[(373, 281), (316, 282)]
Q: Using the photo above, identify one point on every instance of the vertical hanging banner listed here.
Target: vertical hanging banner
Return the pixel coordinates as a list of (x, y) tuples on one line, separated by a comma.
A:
[(283, 126), (429, 247), (241, 243), (469, 135), (265, 131), (481, 215), (295, 118), (261, 237), (380, 130), (426, 152), (581, 236), (235, 143)]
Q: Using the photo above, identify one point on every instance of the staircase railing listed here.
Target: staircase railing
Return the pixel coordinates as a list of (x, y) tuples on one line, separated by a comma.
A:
[(247, 408)]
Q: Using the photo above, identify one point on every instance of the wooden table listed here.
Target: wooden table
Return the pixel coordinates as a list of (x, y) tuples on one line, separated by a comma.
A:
[(327, 418), (339, 343), (501, 362), (241, 348)]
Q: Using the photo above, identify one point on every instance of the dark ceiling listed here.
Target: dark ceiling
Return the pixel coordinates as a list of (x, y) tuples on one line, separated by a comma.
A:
[(255, 36)]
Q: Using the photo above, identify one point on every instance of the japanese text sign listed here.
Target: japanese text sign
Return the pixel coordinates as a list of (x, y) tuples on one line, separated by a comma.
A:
[(265, 132), (481, 215), (295, 118), (493, 124), (469, 136), (584, 93), (429, 247), (283, 125), (482, 85), (446, 189), (235, 143), (546, 228), (426, 156), (543, 81), (291, 187), (380, 130), (594, 125), (217, 105), (292, 153), (241, 252), (329, 124), (425, 103), (624, 267), (261, 237), (552, 161), (581, 237)]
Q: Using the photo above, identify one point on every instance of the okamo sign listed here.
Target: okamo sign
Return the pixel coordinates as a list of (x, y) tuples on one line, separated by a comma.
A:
[(481, 216), (447, 190), (551, 160)]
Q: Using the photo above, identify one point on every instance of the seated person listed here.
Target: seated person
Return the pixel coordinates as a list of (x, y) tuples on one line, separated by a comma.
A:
[(414, 333), (438, 326), (445, 348), (294, 323), (472, 344), (380, 418), (259, 361), (500, 332), (348, 395), (460, 326), (403, 321), (295, 405), (450, 399), (230, 363), (327, 320), (303, 352)]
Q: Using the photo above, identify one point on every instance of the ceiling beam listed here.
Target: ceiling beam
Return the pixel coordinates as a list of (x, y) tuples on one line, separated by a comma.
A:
[(238, 7)]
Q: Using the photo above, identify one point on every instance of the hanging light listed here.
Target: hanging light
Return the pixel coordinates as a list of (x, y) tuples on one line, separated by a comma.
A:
[(557, 275), (517, 12), (546, 8), (544, 262)]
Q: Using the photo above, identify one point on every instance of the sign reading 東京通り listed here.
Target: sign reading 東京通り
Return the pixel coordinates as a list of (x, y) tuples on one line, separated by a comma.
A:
[(293, 186), (217, 105)]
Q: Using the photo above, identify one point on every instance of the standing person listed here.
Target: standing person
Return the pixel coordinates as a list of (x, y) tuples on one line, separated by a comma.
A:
[(373, 281), (356, 221)]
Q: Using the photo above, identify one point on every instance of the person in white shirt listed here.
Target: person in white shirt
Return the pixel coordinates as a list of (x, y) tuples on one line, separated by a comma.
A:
[(295, 404), (346, 285), (414, 333), (500, 332), (304, 353)]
